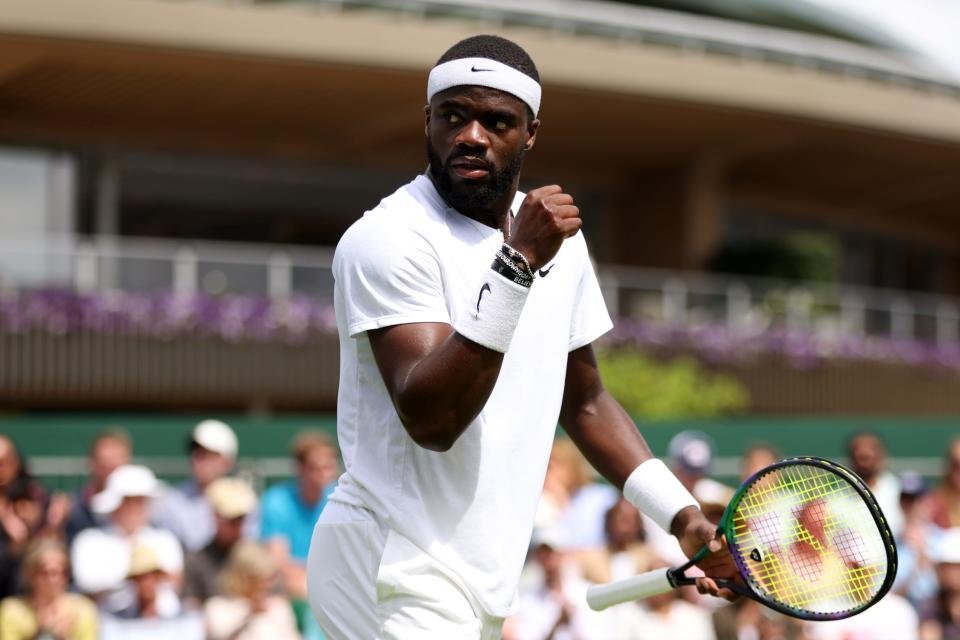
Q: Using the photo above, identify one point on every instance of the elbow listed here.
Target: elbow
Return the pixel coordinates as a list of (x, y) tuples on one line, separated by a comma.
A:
[(434, 433), (432, 427), (431, 438)]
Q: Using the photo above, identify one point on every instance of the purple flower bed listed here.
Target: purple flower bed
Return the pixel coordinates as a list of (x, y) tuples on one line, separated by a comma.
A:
[(166, 316), (718, 344)]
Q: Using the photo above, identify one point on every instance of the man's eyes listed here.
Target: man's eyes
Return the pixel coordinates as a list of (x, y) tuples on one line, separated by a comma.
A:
[(497, 124)]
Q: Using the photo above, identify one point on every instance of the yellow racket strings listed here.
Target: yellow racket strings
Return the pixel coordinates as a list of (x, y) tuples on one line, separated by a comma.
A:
[(808, 540)]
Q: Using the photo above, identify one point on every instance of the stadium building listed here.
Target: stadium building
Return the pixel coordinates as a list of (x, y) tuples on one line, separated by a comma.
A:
[(174, 175)]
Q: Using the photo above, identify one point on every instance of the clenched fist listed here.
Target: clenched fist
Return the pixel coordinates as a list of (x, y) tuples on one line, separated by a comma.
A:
[(546, 218)]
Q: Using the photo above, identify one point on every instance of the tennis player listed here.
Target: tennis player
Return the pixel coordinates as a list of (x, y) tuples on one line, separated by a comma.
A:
[(466, 312)]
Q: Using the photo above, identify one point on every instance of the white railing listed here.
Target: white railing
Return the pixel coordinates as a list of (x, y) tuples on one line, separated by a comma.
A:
[(142, 264), (671, 298), (751, 305)]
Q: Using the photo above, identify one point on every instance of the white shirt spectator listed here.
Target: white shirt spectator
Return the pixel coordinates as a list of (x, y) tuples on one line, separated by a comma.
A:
[(890, 619), (100, 559)]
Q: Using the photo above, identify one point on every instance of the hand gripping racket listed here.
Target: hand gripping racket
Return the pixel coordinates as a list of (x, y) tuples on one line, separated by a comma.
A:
[(807, 537)]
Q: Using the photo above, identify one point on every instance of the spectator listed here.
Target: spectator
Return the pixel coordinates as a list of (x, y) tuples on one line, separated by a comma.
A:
[(232, 500), (624, 554), (942, 620), (756, 457), (943, 502), (747, 618), (555, 607), (571, 500), (892, 618), (690, 455), (868, 458), (11, 464), (148, 578), (26, 513), (290, 510), (248, 610), (109, 450), (668, 616), (101, 556), (916, 578), (47, 611), (184, 509)]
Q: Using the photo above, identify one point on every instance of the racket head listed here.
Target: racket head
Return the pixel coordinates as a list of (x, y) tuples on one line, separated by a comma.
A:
[(810, 540)]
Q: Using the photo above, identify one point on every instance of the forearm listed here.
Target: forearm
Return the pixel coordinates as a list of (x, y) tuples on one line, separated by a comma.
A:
[(611, 443), (607, 436)]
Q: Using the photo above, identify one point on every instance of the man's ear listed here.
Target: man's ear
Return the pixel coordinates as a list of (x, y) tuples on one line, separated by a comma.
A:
[(426, 120), (531, 134)]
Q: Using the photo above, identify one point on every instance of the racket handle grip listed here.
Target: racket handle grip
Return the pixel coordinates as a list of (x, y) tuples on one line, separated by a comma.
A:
[(645, 585)]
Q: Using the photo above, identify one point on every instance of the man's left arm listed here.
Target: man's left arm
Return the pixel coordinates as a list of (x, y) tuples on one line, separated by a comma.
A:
[(609, 439)]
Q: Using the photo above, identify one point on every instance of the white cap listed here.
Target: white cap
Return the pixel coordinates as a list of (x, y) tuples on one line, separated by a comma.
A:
[(231, 497), (216, 436), (126, 481), (551, 536)]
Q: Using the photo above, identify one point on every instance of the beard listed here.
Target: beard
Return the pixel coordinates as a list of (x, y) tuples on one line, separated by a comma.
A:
[(477, 195)]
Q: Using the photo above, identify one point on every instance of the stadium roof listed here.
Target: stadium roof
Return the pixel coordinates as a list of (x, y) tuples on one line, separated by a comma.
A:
[(794, 15), (792, 33)]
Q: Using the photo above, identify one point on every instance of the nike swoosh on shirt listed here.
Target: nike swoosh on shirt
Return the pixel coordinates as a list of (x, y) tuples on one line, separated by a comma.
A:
[(545, 272), (485, 287)]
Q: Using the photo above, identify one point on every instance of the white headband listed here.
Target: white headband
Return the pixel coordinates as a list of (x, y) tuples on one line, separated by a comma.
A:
[(484, 72)]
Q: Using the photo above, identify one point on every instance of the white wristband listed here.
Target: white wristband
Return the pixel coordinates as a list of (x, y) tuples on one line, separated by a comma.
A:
[(496, 308), (654, 490)]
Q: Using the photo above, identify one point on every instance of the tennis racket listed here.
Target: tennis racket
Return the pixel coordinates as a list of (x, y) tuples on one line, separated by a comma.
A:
[(807, 537)]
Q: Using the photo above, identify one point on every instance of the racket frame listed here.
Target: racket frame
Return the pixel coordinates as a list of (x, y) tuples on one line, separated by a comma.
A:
[(677, 576)]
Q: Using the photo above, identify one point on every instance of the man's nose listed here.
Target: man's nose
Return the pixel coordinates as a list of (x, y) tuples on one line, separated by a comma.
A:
[(472, 135)]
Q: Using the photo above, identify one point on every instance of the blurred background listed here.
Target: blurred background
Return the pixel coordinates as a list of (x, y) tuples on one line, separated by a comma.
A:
[(769, 188)]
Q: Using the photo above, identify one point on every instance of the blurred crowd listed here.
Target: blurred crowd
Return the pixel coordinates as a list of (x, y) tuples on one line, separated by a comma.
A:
[(128, 556), (586, 533)]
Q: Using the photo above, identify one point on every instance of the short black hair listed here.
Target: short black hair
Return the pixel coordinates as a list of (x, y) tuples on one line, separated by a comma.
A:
[(495, 48)]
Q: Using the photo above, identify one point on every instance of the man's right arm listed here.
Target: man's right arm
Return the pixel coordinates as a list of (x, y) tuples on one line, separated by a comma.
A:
[(438, 379)]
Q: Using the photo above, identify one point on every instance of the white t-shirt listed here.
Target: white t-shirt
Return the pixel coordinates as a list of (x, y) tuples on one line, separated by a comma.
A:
[(414, 259)]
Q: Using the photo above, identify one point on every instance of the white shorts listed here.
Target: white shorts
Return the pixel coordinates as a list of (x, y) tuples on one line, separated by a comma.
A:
[(366, 582)]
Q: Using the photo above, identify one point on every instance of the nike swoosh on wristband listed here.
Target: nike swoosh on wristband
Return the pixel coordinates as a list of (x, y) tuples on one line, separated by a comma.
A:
[(545, 272), (475, 70), (485, 287)]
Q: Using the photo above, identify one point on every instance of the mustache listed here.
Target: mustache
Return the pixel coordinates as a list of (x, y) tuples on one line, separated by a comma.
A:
[(471, 160)]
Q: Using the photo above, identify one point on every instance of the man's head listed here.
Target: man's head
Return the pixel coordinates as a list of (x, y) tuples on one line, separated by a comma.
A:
[(213, 450), (126, 497), (691, 453), (9, 462), (483, 97), (547, 544), (756, 457), (109, 450), (623, 525), (316, 458), (867, 455)]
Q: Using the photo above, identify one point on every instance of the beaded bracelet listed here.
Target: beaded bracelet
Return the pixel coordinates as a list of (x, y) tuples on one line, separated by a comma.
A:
[(517, 257), (509, 270)]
